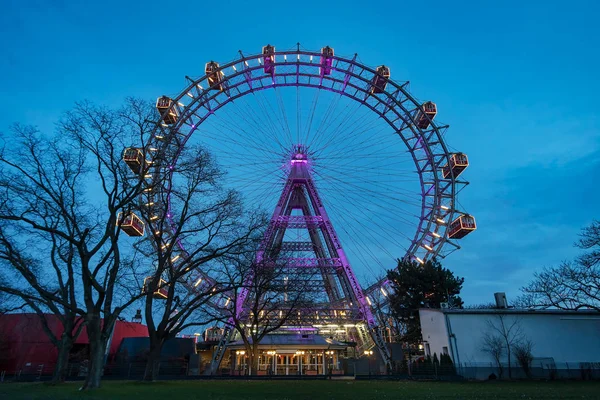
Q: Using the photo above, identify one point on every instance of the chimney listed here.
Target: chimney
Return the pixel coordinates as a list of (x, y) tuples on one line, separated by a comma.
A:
[(501, 300), (137, 317)]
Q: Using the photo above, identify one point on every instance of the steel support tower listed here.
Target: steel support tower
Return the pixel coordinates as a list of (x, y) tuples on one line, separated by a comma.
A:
[(300, 208)]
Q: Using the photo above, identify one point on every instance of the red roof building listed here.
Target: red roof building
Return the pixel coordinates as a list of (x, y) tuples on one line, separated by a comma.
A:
[(25, 347)]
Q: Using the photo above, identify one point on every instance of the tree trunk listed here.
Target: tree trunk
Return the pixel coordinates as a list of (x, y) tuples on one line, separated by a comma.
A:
[(151, 372), (509, 369), (254, 360), (97, 350), (64, 349), (96, 366)]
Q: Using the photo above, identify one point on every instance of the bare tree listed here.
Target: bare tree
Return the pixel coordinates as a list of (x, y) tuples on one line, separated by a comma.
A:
[(589, 239), (494, 346), (274, 294), (571, 285), (523, 354), (509, 330), (215, 228), (481, 306), (69, 190), (46, 297)]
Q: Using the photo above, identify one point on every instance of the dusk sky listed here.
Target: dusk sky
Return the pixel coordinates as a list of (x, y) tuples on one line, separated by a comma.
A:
[(516, 82)]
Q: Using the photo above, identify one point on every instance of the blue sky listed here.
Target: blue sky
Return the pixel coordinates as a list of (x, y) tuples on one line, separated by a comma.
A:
[(516, 82)]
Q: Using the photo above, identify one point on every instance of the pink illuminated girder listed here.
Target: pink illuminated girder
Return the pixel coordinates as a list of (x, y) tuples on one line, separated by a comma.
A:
[(300, 175)]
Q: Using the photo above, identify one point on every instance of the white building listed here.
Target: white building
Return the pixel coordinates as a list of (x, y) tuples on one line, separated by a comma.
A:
[(563, 341)]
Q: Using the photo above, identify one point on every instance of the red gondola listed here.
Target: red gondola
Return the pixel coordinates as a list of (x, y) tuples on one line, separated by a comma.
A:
[(161, 291), (326, 60), (134, 158), (461, 227), (380, 79), (131, 224), (429, 109), (167, 109), (214, 75), (458, 163), (269, 59)]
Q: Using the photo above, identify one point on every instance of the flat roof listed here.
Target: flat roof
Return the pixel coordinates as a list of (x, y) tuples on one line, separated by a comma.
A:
[(277, 341)]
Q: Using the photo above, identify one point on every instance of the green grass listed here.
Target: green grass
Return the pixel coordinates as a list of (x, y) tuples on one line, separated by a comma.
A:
[(362, 390)]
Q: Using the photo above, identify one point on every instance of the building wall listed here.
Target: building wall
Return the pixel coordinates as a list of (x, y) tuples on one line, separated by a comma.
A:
[(24, 345), (435, 334), (564, 337)]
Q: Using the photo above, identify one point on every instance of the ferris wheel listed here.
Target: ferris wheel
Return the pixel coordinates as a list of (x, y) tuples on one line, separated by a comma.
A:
[(377, 155)]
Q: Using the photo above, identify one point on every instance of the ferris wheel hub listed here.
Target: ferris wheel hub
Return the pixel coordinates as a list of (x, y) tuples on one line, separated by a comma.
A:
[(299, 154)]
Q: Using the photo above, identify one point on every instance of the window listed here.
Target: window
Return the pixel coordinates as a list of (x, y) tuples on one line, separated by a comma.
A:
[(427, 349), (445, 350)]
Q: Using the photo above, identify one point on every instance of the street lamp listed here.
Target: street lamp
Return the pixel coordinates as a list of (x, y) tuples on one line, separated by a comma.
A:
[(369, 353), (242, 362)]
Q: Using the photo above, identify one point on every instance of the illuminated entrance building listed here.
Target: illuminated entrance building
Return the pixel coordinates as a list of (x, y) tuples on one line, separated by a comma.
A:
[(291, 354)]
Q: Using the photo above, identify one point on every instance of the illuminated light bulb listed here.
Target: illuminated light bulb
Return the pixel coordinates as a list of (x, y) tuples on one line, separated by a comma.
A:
[(199, 281), (383, 292), (233, 66), (444, 207), (190, 94), (369, 301), (175, 258), (441, 221), (435, 234), (427, 247), (181, 104), (419, 260)]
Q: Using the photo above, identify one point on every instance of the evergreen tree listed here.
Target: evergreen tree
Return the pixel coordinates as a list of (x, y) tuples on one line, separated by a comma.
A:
[(421, 286)]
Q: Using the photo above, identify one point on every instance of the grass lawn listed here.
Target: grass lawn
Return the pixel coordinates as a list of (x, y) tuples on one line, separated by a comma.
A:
[(363, 390)]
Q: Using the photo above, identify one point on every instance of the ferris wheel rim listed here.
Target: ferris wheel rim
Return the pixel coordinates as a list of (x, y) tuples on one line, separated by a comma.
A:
[(395, 95)]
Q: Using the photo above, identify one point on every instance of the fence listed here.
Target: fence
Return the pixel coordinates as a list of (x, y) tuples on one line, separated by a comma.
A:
[(540, 369), (178, 369), (78, 370)]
